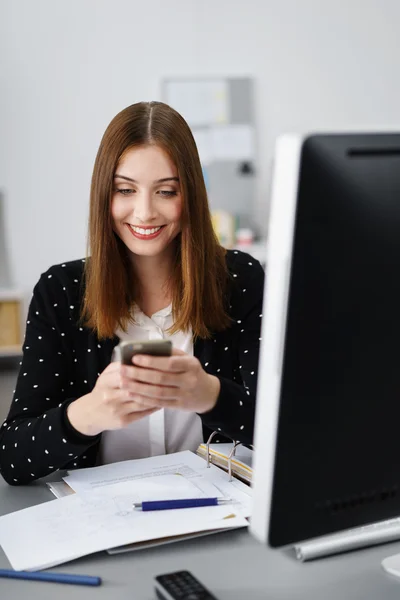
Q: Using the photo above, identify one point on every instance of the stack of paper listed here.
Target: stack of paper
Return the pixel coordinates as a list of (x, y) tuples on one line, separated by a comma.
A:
[(241, 461), (100, 514)]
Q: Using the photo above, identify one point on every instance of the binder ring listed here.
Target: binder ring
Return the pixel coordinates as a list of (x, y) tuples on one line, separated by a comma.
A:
[(208, 447), (232, 452), (231, 455)]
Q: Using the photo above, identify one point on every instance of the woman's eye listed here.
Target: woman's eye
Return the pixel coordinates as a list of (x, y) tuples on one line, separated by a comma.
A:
[(125, 192), (168, 193)]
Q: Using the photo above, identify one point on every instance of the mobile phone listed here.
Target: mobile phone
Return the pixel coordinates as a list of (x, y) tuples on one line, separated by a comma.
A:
[(126, 350)]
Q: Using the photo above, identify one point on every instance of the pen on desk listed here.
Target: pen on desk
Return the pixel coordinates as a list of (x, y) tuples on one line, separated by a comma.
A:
[(54, 577), (184, 503)]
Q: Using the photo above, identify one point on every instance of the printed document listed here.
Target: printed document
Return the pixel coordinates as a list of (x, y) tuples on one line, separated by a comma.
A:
[(100, 514)]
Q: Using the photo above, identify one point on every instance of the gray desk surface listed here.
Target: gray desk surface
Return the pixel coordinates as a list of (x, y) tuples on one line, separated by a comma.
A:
[(232, 565)]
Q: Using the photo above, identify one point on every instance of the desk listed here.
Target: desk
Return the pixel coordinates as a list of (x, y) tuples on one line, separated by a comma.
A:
[(231, 564)]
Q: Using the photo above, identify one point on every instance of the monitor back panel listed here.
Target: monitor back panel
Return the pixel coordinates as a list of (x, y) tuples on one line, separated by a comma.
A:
[(337, 461)]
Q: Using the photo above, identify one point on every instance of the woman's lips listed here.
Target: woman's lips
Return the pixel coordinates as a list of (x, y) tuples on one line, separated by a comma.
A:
[(138, 232)]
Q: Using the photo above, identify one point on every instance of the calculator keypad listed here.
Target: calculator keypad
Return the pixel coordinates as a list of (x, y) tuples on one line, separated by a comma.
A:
[(182, 585)]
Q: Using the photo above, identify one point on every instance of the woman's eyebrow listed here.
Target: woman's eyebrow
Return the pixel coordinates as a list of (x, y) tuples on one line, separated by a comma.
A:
[(163, 180), (167, 179), (123, 177)]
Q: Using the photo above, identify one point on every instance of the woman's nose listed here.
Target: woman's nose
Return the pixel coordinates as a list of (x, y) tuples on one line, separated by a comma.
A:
[(144, 208)]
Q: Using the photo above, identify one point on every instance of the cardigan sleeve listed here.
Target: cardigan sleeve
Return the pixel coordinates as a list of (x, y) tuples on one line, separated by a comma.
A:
[(234, 411), (35, 439)]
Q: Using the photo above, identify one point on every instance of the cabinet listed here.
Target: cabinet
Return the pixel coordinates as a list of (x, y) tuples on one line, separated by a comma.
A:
[(11, 307)]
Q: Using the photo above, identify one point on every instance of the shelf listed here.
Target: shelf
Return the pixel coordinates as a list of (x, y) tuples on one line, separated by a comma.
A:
[(14, 350)]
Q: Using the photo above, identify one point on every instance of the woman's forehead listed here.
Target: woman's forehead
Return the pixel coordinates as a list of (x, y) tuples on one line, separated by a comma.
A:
[(146, 161)]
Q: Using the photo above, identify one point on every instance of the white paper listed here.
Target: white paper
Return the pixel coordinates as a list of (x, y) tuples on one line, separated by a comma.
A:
[(160, 542), (61, 489), (61, 530), (90, 480), (101, 515), (201, 103), (163, 487), (232, 142), (188, 465)]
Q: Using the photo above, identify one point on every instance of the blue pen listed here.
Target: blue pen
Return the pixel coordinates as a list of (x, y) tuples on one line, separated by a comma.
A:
[(55, 577), (185, 503)]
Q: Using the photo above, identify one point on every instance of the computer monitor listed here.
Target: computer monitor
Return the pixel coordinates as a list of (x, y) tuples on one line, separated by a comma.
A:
[(327, 436)]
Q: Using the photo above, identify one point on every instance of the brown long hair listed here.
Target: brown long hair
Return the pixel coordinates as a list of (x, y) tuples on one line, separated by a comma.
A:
[(200, 276)]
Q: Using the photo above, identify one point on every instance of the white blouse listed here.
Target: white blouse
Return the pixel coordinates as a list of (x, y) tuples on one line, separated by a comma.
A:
[(167, 430)]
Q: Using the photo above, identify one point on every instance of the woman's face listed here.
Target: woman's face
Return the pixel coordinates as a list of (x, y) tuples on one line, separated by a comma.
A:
[(146, 202)]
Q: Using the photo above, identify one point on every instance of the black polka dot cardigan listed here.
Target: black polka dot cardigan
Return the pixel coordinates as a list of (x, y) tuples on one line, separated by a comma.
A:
[(62, 360)]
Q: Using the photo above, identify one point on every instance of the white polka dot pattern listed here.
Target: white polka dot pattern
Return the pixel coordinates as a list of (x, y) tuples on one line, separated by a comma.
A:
[(62, 360)]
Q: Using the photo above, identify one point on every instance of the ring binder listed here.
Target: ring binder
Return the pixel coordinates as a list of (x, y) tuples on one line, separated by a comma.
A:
[(208, 447), (231, 454), (235, 444)]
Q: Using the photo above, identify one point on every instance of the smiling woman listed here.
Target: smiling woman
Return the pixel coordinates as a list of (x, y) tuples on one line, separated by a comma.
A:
[(154, 270), (147, 173), (150, 207)]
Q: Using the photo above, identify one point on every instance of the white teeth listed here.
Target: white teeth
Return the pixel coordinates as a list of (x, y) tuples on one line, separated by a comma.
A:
[(145, 231)]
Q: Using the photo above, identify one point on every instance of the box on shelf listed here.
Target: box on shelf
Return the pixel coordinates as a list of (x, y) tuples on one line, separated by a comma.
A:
[(10, 323)]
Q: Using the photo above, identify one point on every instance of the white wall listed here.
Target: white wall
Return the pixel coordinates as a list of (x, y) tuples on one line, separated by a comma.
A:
[(67, 68)]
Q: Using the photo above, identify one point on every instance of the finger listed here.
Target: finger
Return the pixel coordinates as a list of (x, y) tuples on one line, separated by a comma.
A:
[(151, 376), (124, 400), (137, 404), (145, 402), (115, 398), (112, 378), (175, 364), (114, 366), (154, 391), (136, 416), (131, 401), (177, 352), (111, 368)]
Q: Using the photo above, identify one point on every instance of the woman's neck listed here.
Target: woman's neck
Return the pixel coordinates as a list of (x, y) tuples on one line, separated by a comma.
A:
[(153, 274)]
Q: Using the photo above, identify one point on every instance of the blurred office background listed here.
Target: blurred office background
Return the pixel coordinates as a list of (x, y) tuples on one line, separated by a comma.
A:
[(66, 68)]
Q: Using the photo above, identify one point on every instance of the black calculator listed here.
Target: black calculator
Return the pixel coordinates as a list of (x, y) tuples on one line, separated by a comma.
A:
[(181, 585)]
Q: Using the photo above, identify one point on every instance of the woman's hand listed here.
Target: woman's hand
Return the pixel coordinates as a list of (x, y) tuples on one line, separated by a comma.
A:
[(124, 394), (176, 381), (110, 405)]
